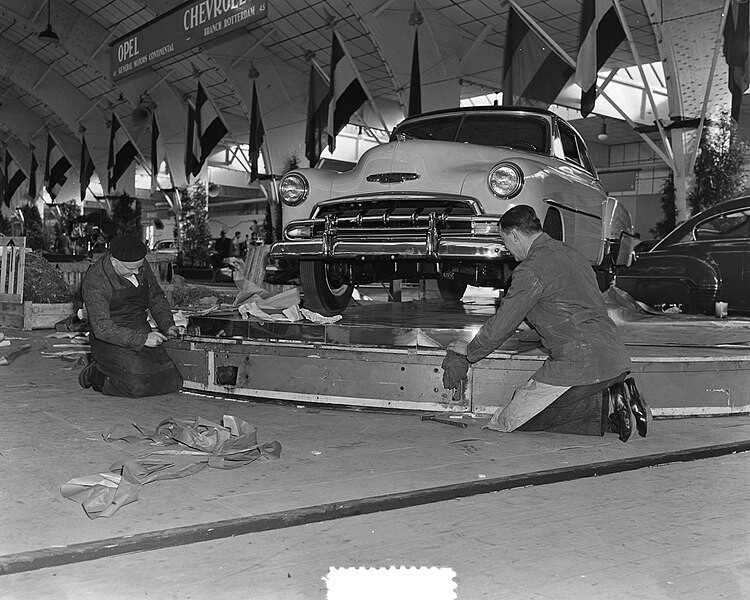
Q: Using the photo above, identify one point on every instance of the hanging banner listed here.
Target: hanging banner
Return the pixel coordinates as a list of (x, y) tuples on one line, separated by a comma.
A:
[(187, 26)]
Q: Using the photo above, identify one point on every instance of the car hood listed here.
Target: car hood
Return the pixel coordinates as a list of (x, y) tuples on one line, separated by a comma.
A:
[(419, 166)]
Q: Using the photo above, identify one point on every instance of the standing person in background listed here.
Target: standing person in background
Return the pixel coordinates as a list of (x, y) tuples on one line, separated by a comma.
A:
[(254, 231), (234, 246), (63, 244), (222, 248), (128, 361)]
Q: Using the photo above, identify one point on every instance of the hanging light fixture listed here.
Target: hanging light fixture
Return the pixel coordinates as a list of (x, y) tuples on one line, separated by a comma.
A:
[(603, 136), (48, 35), (415, 17)]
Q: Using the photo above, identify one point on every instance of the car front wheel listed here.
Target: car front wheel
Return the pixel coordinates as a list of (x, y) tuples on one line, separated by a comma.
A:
[(324, 288)]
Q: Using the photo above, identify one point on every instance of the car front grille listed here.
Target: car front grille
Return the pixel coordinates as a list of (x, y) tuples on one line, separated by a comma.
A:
[(395, 216)]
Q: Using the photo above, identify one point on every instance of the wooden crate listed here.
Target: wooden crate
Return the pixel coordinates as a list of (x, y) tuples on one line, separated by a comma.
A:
[(30, 315), (45, 316)]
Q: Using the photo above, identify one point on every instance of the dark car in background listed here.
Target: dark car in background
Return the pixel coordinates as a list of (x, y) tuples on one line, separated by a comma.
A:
[(703, 261)]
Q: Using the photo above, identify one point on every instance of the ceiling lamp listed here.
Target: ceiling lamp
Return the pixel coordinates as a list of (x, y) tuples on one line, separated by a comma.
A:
[(416, 18), (48, 35), (141, 114), (603, 136)]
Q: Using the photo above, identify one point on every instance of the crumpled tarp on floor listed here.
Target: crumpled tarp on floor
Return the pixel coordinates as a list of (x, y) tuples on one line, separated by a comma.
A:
[(200, 443)]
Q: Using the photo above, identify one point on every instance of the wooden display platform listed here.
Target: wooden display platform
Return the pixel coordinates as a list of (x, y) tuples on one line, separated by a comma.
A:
[(385, 356)]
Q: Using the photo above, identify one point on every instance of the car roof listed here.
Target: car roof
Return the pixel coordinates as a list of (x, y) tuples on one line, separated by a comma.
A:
[(482, 109), (681, 230)]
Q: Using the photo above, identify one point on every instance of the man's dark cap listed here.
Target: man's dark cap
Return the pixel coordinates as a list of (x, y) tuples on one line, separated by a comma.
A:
[(127, 248)]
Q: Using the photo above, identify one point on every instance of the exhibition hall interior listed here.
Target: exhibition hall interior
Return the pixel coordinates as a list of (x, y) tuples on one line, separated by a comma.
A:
[(337, 299)]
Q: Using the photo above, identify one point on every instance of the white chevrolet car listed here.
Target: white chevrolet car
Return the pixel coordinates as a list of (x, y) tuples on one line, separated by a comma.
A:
[(427, 204)]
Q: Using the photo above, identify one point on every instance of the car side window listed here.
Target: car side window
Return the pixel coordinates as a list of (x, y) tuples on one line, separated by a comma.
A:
[(569, 144), (734, 225)]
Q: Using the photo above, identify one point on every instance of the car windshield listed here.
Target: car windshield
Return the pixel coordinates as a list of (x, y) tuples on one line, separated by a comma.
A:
[(515, 131)]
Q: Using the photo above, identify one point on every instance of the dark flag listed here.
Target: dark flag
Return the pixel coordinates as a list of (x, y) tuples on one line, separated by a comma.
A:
[(192, 145), (87, 168), (601, 32), (211, 126), (533, 70), (256, 135), (14, 177), (122, 153), (347, 93), (157, 152), (415, 85), (32, 175), (736, 46), (317, 114), (56, 168)]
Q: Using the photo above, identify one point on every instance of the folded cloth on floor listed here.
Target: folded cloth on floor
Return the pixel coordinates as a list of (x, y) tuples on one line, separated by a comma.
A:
[(196, 444), (455, 369)]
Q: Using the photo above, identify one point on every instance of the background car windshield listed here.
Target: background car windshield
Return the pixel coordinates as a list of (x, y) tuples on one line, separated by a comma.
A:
[(523, 133), (728, 226)]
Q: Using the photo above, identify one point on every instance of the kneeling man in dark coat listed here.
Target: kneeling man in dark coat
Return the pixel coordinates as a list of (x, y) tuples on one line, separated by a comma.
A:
[(583, 387), (127, 358)]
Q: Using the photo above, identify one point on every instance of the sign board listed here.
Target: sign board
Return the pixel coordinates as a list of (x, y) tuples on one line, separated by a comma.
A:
[(194, 23)]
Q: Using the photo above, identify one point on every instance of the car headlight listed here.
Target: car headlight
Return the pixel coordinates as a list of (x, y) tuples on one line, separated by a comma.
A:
[(505, 180), (293, 189)]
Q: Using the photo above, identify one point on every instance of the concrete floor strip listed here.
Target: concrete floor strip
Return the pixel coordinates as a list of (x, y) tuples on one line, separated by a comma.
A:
[(179, 536)]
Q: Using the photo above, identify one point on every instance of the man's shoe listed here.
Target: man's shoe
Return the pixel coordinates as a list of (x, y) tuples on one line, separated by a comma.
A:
[(621, 420), (85, 375), (639, 407)]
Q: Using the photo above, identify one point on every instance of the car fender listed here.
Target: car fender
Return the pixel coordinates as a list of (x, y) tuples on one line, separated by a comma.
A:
[(617, 232), (550, 182), (475, 185), (320, 182), (656, 278)]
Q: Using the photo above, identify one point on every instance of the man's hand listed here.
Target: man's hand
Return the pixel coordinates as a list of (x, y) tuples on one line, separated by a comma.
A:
[(455, 369), (459, 346), (154, 339)]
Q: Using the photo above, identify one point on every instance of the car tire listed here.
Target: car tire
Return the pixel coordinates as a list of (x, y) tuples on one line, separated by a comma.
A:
[(451, 291), (323, 291)]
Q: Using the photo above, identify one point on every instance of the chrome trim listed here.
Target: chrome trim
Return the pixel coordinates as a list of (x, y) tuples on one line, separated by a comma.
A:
[(396, 196), (377, 221), (412, 248), (392, 177), (432, 241), (328, 237), (571, 209)]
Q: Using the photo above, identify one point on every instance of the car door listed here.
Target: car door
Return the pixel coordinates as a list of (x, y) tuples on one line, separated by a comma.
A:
[(725, 240)]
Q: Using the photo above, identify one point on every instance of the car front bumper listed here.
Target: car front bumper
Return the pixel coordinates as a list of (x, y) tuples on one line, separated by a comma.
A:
[(405, 249)]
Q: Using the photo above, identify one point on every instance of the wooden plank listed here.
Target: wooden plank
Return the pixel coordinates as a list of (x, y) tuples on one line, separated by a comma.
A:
[(191, 534), (72, 273)]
